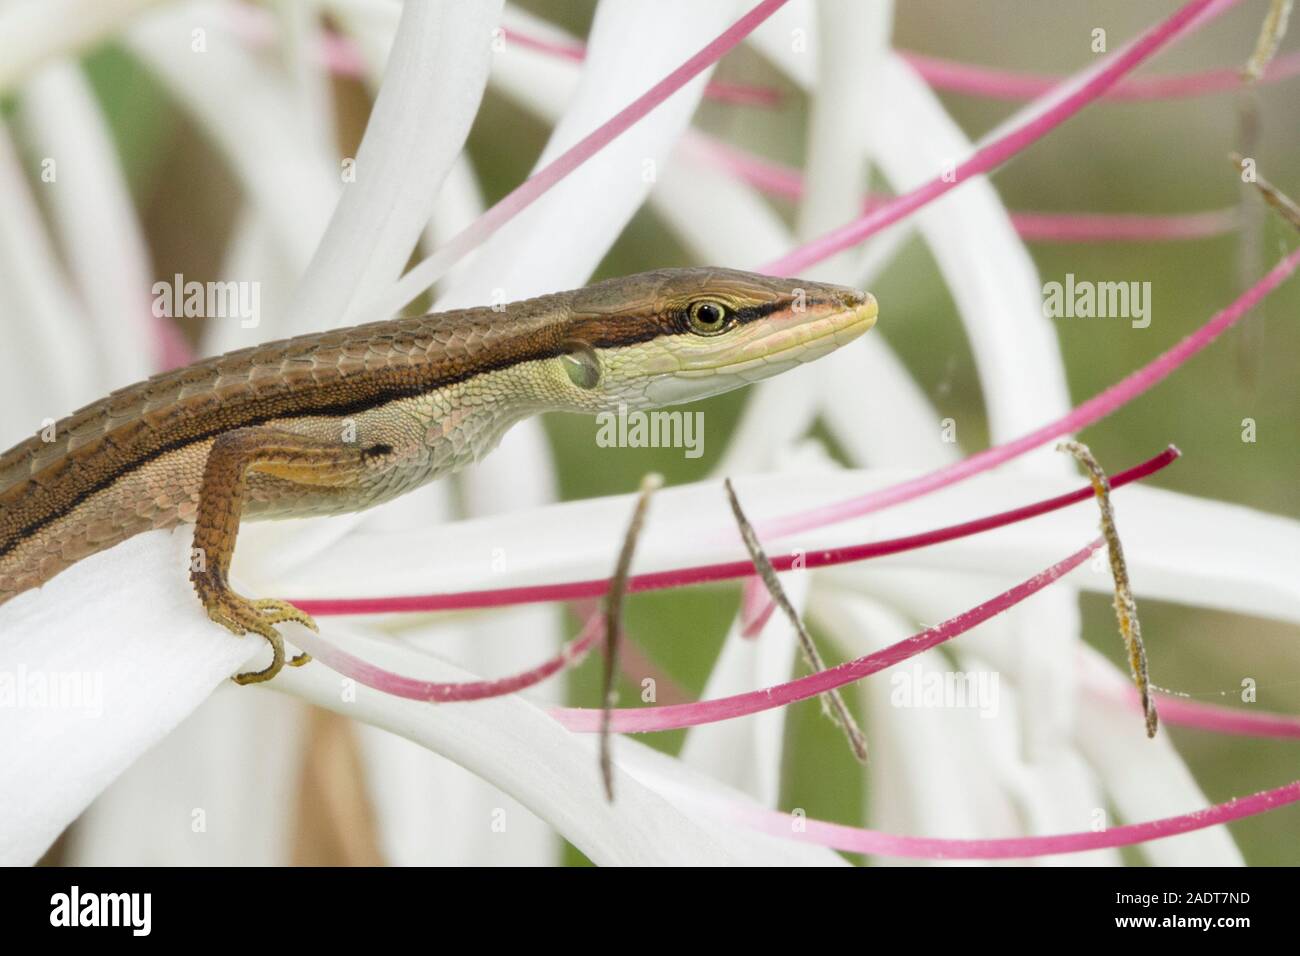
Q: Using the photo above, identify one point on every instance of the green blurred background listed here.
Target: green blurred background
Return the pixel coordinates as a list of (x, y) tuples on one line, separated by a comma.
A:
[(1152, 157)]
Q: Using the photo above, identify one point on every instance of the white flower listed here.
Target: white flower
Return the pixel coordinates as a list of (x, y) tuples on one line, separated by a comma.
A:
[(174, 773)]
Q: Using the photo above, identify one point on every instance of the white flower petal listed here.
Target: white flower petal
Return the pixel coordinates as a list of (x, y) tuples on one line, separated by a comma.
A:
[(419, 796), (997, 293), (48, 364), (631, 47), (517, 747), (460, 202), (40, 30), (537, 81), (1180, 548), (854, 41), (746, 753), (920, 756), (434, 80), (219, 790), (93, 211), (697, 793), (249, 112), (1147, 779), (146, 655)]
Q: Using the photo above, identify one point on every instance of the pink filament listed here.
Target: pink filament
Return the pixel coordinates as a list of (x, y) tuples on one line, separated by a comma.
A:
[(675, 716), (1095, 408), (787, 181), (1182, 712), (531, 189), (1002, 148), (172, 349), (859, 840), (340, 55), (739, 93), (1003, 85), (371, 675), (1101, 227), (1006, 85), (678, 577)]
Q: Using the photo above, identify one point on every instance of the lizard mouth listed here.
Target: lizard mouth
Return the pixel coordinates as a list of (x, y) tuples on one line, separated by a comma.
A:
[(799, 342)]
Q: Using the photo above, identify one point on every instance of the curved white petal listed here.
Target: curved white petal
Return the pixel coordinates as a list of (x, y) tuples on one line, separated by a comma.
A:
[(402, 775), (1180, 548), (219, 790), (694, 792), (944, 770), (537, 81), (419, 796), (35, 32), (433, 83), (996, 288), (997, 292), (1193, 551), (249, 112), (145, 657), (854, 41), (97, 225), (460, 202), (517, 747), (631, 47), (746, 753), (1146, 779), (48, 364)]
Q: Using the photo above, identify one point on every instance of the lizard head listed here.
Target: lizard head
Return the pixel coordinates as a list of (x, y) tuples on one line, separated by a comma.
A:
[(677, 335)]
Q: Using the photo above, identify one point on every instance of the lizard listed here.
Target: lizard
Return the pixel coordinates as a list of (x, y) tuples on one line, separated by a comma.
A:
[(342, 420)]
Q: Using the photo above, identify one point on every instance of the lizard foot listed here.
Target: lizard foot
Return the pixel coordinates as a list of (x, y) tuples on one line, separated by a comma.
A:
[(242, 616)]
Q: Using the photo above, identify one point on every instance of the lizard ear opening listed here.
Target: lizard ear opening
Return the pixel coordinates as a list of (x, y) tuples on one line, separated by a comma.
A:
[(581, 364)]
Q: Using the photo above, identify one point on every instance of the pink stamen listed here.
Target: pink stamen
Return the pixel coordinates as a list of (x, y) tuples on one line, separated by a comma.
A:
[(724, 571), (1095, 408), (1224, 720), (737, 93), (171, 348), (676, 716), (781, 180), (1003, 85), (1004, 147), (1182, 712), (860, 840), (421, 276), (340, 55), (756, 607), (1103, 227), (371, 675)]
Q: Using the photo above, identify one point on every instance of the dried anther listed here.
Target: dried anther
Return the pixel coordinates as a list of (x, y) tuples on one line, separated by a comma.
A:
[(1125, 605), (833, 705), (1283, 204), (614, 624), (1271, 32)]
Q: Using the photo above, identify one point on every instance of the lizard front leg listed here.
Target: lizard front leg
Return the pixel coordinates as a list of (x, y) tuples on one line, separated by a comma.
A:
[(222, 493)]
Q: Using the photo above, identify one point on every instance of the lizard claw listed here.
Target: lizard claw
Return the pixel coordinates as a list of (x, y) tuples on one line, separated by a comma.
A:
[(242, 616)]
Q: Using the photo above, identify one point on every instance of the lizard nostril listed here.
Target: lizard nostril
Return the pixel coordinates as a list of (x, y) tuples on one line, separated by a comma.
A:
[(853, 299)]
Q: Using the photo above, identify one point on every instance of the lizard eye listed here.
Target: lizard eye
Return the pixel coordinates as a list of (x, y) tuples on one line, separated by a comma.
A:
[(707, 317)]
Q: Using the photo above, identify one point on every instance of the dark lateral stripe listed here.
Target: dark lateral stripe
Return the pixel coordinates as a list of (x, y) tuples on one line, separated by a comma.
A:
[(752, 312), (363, 392), (315, 402), (304, 407)]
